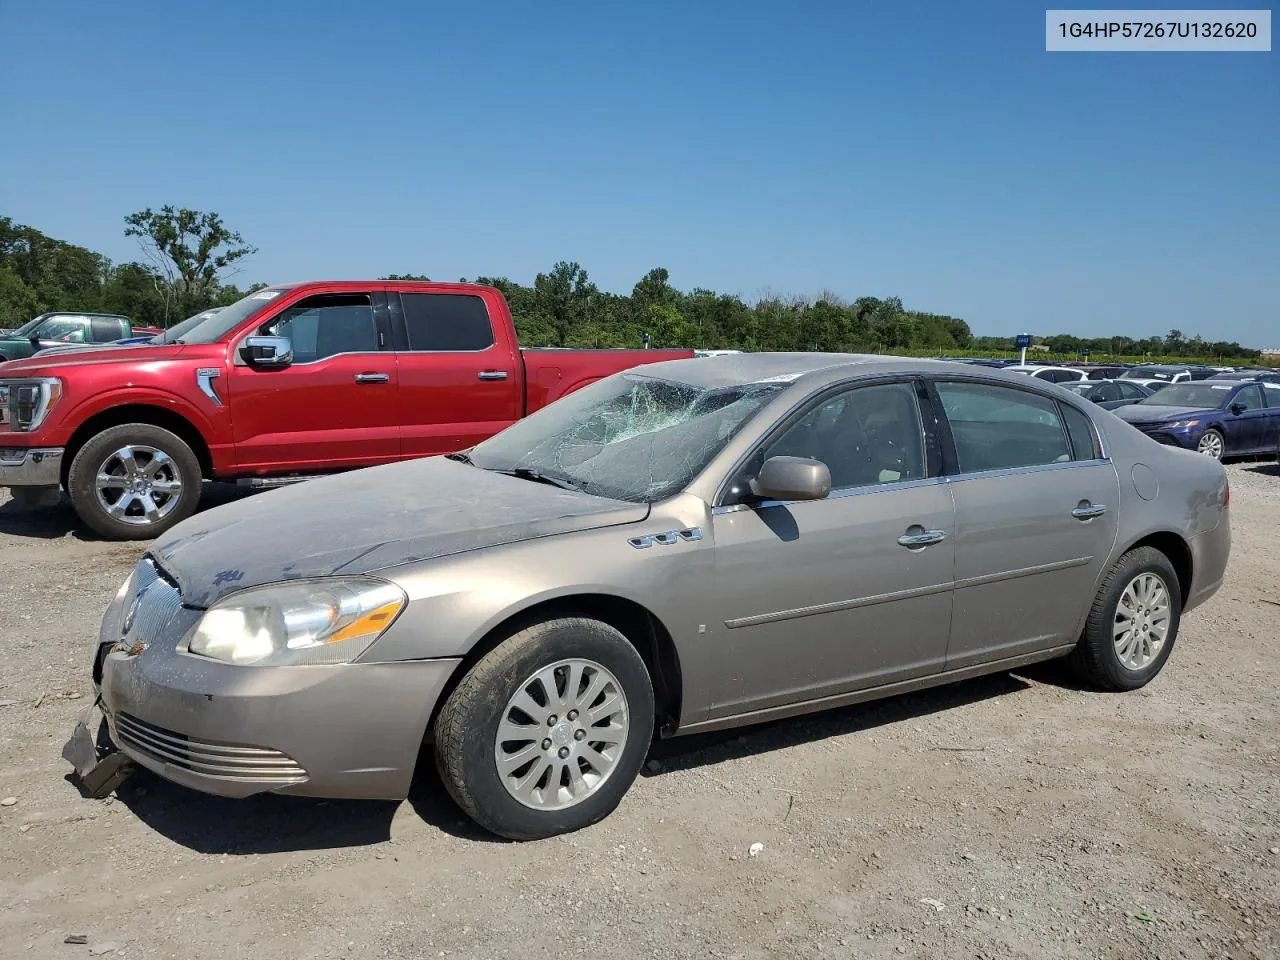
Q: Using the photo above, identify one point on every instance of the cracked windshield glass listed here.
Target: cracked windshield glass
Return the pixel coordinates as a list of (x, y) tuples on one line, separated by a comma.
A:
[(630, 437)]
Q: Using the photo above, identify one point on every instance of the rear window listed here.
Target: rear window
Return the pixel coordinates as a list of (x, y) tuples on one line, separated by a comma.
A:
[(446, 322), (999, 428)]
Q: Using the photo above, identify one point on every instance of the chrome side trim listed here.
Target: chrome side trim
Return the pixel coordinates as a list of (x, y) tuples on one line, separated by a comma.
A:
[(1022, 572), (1024, 471), (204, 379), (837, 606)]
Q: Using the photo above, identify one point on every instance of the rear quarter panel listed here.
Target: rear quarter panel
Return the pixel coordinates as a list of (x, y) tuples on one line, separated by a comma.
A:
[(1167, 489), (552, 374)]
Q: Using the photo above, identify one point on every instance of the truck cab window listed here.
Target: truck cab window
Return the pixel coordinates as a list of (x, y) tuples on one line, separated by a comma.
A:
[(327, 325), (446, 322)]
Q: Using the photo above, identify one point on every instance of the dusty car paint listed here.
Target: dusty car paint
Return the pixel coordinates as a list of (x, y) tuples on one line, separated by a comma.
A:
[(752, 615)]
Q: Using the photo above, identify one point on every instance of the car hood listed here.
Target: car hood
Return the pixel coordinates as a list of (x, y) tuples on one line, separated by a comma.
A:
[(83, 354), (368, 520), (1154, 413)]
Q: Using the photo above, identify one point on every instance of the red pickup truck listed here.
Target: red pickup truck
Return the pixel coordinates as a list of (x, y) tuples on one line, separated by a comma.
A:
[(293, 380)]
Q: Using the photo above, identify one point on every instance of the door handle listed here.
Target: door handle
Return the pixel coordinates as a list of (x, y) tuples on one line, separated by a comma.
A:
[(922, 539), (491, 375), (372, 377), (1087, 510)]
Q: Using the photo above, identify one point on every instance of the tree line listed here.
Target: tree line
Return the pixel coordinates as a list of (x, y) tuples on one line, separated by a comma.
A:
[(189, 259)]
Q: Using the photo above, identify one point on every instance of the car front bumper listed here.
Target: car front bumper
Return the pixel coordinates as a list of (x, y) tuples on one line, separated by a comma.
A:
[(30, 466), (351, 731)]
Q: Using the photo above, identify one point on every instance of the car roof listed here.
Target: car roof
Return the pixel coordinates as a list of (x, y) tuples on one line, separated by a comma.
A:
[(744, 368)]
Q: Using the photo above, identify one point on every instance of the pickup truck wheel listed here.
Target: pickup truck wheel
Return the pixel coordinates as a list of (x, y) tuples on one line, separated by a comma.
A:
[(134, 481), (548, 731), (1132, 625)]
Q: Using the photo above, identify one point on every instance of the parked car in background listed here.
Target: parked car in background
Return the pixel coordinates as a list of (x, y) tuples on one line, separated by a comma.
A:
[(147, 335), (1168, 372), (980, 361), (1052, 374), (1215, 417), (1100, 371), (685, 547), (1263, 376), (1109, 394), (54, 329), (289, 382)]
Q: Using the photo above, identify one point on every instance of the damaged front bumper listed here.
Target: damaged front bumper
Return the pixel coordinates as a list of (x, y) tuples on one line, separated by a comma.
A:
[(350, 731), (100, 766)]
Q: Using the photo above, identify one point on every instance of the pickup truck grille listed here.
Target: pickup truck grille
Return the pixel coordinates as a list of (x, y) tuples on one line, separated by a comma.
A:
[(225, 761)]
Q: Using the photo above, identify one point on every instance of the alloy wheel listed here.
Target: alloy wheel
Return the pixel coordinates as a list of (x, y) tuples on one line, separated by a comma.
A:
[(1211, 445), (138, 484), (1142, 621), (561, 734)]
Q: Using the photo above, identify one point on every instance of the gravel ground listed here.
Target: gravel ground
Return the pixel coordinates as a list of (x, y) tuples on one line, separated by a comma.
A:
[(1014, 816)]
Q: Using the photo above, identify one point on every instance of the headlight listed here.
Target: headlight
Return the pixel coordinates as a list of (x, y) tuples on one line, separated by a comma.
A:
[(1181, 424), (24, 404), (304, 622)]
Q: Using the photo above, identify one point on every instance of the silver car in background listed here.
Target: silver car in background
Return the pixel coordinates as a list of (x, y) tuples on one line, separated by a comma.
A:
[(695, 545)]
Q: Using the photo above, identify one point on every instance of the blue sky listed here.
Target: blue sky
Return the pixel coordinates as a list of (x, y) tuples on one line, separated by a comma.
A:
[(929, 150)]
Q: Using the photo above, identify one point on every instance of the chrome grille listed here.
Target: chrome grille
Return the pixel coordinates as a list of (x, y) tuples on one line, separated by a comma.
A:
[(227, 761)]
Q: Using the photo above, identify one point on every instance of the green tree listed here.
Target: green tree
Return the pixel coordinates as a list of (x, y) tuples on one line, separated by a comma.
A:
[(191, 250)]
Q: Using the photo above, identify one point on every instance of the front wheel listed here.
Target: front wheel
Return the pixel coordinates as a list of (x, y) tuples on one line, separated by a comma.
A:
[(1133, 623), (134, 481), (1211, 444), (548, 731)]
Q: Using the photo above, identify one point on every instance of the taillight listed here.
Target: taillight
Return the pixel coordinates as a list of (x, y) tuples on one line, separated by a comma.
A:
[(1226, 496)]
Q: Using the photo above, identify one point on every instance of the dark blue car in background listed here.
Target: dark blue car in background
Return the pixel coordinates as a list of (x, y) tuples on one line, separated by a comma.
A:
[(1221, 418)]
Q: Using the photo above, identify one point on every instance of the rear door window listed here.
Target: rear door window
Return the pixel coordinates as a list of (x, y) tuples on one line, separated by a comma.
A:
[(999, 428), (446, 322)]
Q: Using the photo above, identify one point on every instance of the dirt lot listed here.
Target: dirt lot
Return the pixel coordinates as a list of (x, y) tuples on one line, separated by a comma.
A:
[(1013, 816)]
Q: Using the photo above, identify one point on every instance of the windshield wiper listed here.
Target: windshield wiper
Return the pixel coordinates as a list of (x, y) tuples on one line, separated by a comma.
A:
[(528, 473), (460, 458)]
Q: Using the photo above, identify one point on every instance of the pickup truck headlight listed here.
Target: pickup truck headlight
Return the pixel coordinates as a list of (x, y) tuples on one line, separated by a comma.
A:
[(24, 404), (299, 623)]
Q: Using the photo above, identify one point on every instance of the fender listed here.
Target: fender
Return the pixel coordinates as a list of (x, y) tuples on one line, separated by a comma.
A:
[(528, 602), (137, 395)]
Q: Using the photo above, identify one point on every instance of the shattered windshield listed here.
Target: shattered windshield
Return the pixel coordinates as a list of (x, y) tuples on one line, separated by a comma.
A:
[(628, 437)]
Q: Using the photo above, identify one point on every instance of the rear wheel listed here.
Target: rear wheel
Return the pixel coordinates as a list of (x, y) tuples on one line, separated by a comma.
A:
[(134, 481), (547, 732), (1133, 624), (1211, 444)]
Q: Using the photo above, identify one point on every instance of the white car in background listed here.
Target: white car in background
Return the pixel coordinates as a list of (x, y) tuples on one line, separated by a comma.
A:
[(1052, 374)]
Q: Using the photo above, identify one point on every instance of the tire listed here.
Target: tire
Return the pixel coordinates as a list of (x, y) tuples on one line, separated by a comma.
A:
[(1212, 444), (467, 730), (1097, 658), (101, 455)]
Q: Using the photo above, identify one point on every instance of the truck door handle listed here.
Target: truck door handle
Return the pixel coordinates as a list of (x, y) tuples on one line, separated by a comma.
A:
[(1087, 510), (372, 377), (491, 375), (923, 538)]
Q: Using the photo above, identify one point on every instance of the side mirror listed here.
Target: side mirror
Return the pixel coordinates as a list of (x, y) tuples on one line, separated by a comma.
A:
[(1238, 408), (792, 478), (267, 351)]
